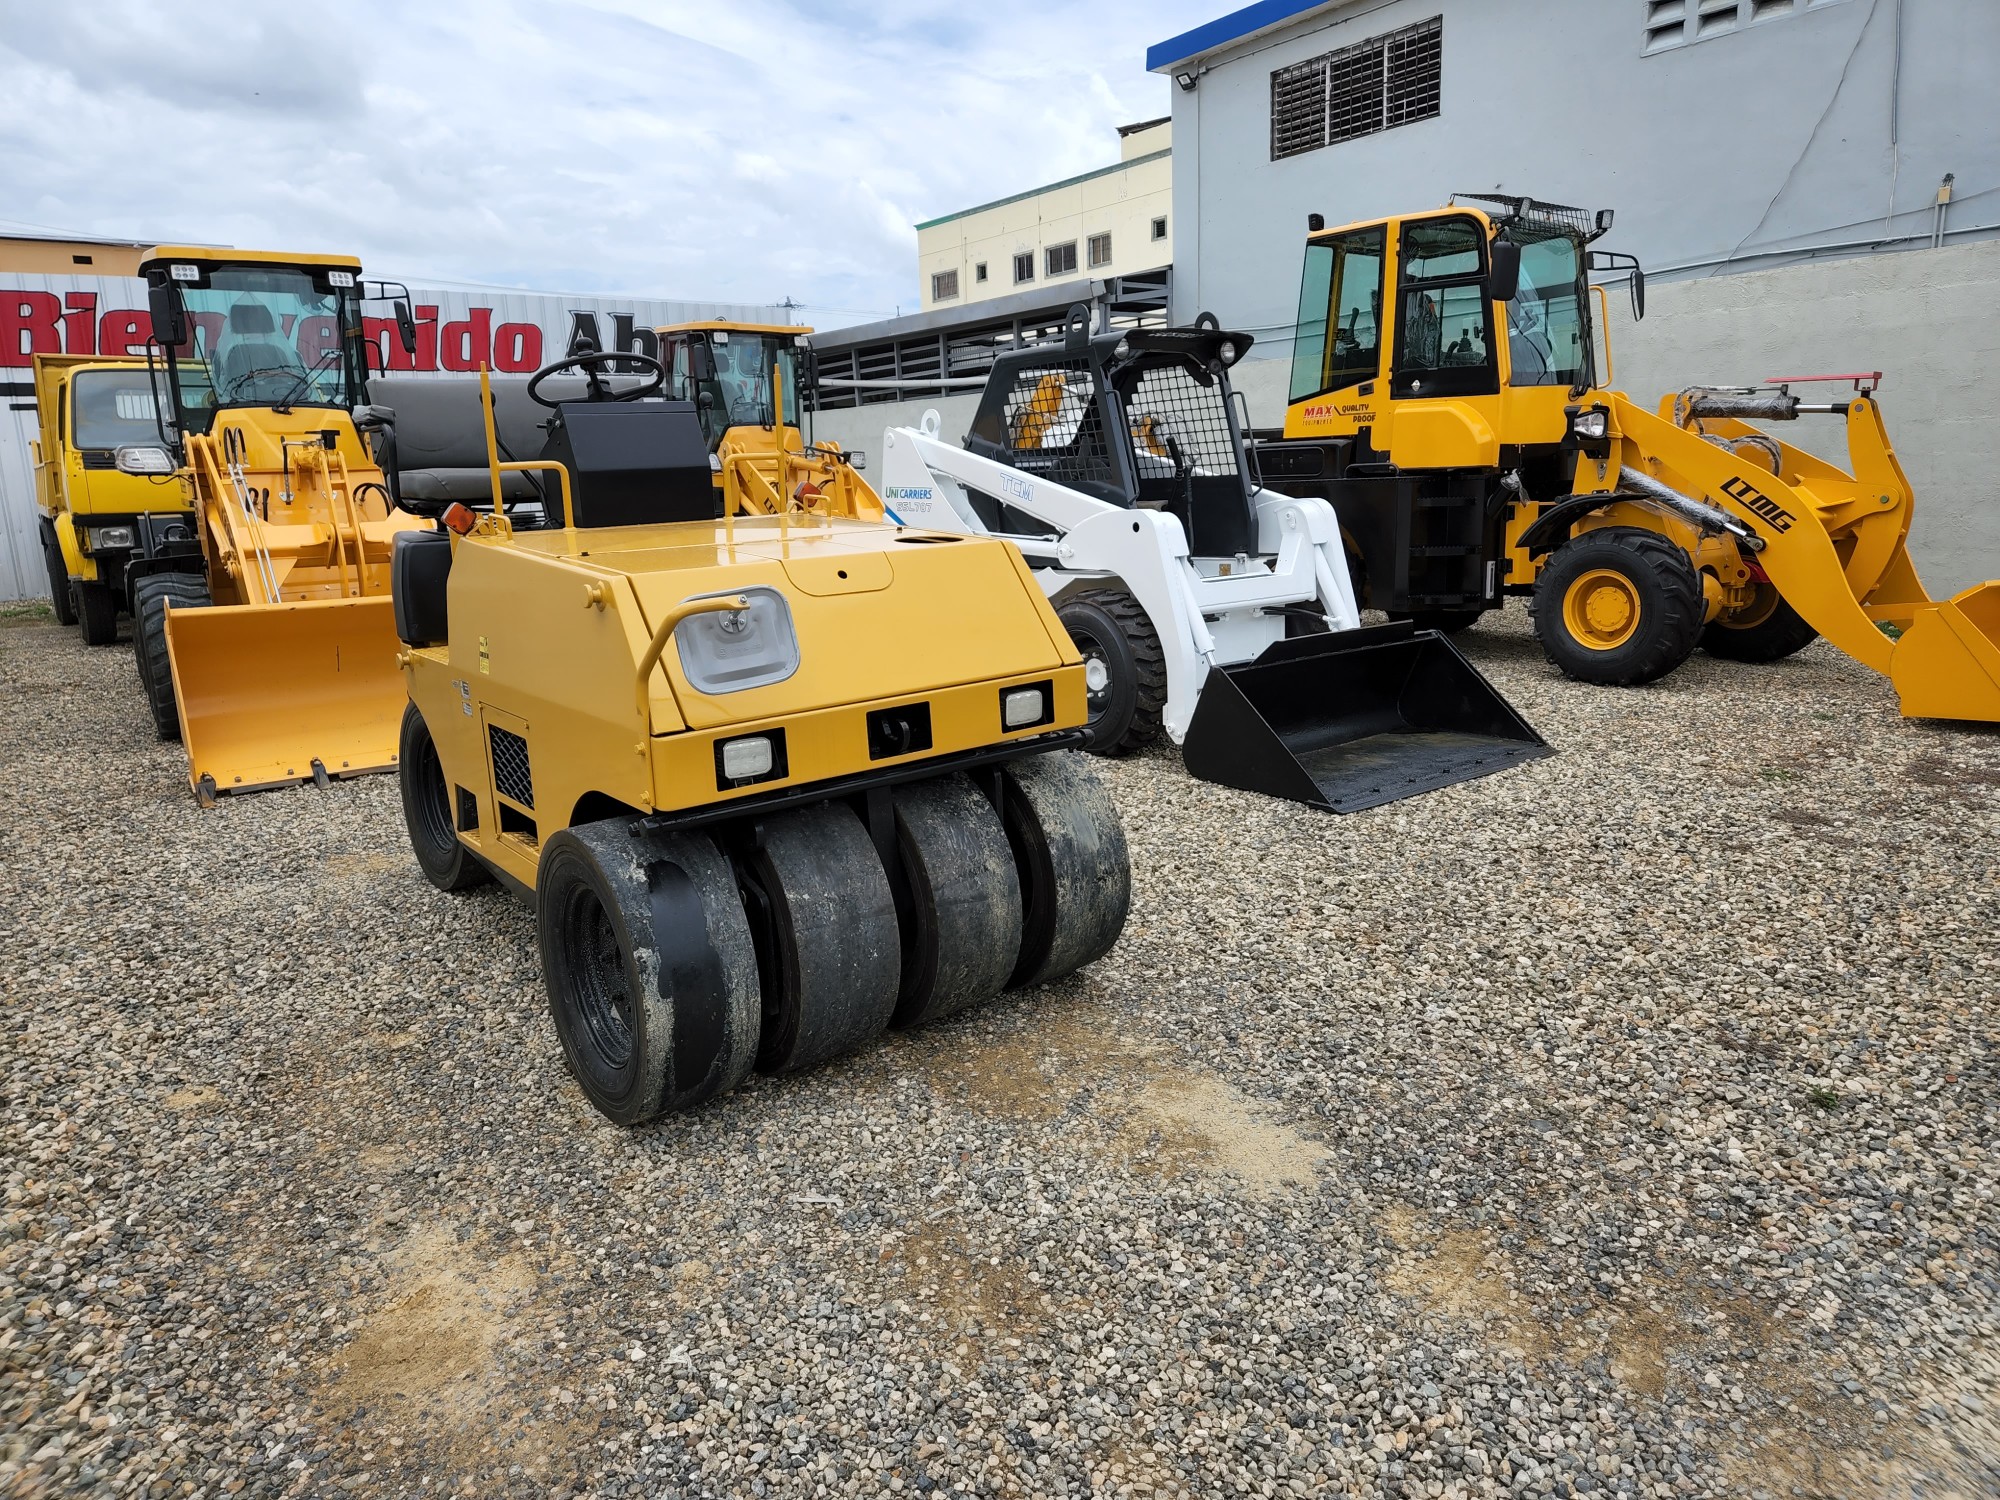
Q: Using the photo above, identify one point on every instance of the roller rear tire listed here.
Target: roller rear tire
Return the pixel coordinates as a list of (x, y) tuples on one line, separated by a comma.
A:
[(1618, 606), (428, 812), (651, 973), (1772, 631), (1069, 850)]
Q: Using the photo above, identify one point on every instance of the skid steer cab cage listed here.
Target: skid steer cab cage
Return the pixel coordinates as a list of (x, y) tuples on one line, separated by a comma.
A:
[(1116, 463)]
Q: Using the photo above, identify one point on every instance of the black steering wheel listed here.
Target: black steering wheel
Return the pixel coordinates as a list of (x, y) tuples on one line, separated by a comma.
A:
[(591, 364)]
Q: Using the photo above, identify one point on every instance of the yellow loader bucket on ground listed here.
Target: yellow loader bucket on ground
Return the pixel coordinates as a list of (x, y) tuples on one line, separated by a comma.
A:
[(272, 694), (1946, 665)]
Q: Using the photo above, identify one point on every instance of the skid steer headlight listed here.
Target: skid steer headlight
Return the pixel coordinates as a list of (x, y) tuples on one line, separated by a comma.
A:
[(1592, 426), (1227, 351), (110, 538), (144, 460), (730, 650)]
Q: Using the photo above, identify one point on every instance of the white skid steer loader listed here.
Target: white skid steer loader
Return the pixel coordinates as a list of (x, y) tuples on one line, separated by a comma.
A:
[(1201, 603)]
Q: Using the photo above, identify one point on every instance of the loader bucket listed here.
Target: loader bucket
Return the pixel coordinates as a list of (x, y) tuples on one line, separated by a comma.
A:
[(1354, 719), (1946, 665), (277, 693)]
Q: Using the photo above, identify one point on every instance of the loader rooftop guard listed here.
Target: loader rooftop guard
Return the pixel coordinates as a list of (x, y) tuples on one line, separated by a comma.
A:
[(1537, 216)]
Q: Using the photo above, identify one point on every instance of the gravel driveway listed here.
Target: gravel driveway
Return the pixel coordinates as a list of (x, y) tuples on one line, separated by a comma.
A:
[(1622, 1124)]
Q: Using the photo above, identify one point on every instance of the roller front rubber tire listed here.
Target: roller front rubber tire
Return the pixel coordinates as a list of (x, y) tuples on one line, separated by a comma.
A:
[(960, 909), (1069, 852), (428, 812), (650, 968), (1774, 630), (151, 599), (1617, 606), (1125, 671)]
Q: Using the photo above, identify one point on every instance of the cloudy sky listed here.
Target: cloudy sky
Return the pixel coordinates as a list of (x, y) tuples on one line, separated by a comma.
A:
[(745, 151)]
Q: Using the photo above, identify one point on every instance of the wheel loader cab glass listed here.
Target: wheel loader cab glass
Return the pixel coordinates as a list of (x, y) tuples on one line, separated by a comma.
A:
[(1444, 331), (1548, 332), (1339, 342), (271, 336), (740, 392), (114, 409)]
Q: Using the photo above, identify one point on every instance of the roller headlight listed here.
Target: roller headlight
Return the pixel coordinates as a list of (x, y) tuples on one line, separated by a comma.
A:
[(1592, 426), (729, 650), (748, 758), (110, 538)]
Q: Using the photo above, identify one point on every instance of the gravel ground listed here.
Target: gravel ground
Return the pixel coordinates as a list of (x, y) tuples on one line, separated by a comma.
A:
[(1622, 1124)]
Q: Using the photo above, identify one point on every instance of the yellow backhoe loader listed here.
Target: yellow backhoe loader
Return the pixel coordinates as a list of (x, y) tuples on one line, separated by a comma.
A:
[(748, 844), (1445, 398), (278, 663), (740, 376)]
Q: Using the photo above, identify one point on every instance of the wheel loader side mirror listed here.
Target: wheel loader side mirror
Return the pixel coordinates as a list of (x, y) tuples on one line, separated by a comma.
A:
[(1503, 278), (406, 327), (169, 319), (701, 360), (1638, 294)]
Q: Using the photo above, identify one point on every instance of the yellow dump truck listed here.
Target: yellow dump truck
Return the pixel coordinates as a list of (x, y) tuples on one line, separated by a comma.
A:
[(112, 510)]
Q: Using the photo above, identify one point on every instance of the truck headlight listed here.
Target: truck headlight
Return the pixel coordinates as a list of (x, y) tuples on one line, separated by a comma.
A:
[(1592, 426), (145, 460), (110, 538), (730, 650)]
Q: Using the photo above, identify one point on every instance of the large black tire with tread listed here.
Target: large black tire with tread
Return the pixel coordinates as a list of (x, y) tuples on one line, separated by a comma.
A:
[(1775, 632), (650, 967), (961, 905), (61, 600), (151, 600), (1639, 570), (428, 810), (1108, 626), (96, 612), (1069, 850), (832, 964)]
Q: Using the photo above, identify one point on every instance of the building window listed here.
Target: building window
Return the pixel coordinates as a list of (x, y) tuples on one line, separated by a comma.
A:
[(979, 271), (79, 260), (1024, 266), (1160, 227), (944, 286), (1059, 260), (1100, 250), (1674, 23), (1354, 91)]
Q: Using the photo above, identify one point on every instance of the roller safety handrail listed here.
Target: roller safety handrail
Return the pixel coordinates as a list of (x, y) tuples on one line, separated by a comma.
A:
[(663, 632)]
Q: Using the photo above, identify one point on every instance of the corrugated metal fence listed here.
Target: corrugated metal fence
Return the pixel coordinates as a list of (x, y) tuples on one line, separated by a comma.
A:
[(512, 331)]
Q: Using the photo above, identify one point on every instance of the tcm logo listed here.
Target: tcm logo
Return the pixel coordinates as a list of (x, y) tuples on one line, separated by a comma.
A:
[(1757, 501), (1020, 489)]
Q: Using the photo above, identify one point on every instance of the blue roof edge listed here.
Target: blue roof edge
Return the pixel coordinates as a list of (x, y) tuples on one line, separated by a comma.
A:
[(1234, 27)]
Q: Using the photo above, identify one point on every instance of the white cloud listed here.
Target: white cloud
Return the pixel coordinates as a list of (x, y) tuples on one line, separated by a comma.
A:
[(741, 152)]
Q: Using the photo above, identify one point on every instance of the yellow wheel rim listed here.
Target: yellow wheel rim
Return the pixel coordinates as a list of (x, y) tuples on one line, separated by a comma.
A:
[(1756, 612), (1601, 609)]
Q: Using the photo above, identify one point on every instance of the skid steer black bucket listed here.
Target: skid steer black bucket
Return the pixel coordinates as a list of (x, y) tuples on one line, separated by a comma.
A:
[(1354, 719)]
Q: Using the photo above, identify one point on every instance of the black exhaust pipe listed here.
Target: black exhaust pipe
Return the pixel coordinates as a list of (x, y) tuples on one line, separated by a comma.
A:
[(1354, 719)]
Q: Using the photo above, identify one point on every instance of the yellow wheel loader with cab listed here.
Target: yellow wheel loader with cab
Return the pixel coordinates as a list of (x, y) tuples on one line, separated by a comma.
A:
[(112, 510), (1446, 400), (771, 783), (277, 662), (741, 377)]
